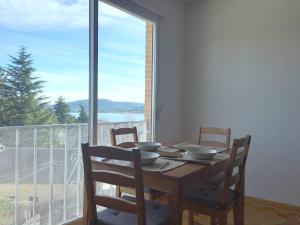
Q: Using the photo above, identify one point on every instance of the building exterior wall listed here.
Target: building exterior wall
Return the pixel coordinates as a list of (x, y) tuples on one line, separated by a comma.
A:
[(148, 78)]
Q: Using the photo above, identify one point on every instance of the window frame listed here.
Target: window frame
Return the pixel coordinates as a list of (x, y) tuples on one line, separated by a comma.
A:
[(136, 10)]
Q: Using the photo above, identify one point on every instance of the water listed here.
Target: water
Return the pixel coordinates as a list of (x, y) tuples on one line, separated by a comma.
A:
[(117, 117)]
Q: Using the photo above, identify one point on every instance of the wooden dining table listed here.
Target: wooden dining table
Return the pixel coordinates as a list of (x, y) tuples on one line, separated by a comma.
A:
[(174, 182)]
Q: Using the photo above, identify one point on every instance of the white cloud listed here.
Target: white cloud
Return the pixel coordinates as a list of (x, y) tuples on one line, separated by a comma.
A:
[(69, 95), (51, 14), (73, 85), (125, 59), (121, 47), (122, 87), (123, 93)]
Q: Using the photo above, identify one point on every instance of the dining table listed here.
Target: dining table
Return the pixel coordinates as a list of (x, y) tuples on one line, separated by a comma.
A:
[(173, 182)]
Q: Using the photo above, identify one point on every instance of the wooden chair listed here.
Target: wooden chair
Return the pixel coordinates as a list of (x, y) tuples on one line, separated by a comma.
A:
[(215, 131), (114, 133), (124, 131), (226, 133), (217, 201), (119, 211)]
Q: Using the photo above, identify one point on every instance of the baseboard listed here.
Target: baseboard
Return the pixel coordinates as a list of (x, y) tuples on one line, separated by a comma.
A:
[(273, 204)]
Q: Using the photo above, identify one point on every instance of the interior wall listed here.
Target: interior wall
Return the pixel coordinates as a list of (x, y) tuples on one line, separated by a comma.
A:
[(242, 70), (170, 70)]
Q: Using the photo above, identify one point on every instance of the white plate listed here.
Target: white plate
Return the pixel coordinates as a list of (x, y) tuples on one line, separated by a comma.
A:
[(148, 158), (148, 146), (199, 152)]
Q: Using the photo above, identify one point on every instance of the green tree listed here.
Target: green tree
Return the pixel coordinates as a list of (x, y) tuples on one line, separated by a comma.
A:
[(3, 97), (26, 105), (62, 111), (83, 116)]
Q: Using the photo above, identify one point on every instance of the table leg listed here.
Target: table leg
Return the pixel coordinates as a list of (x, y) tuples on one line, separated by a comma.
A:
[(176, 204)]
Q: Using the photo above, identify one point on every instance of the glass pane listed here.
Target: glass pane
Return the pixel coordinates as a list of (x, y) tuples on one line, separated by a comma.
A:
[(125, 73), (43, 109)]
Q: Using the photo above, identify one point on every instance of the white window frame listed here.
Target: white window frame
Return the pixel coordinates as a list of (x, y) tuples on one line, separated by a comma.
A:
[(93, 71), (143, 13)]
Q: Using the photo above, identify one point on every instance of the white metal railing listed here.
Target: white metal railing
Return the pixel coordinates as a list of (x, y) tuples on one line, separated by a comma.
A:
[(41, 177)]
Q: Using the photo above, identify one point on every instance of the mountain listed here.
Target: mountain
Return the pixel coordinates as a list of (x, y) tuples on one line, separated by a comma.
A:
[(105, 105)]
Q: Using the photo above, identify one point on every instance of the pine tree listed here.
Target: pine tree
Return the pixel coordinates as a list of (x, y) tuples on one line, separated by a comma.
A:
[(83, 116), (62, 110), (3, 97), (26, 104)]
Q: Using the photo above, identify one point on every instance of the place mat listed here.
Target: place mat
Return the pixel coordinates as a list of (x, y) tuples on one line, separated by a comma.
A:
[(184, 145), (163, 165), (160, 165), (217, 158)]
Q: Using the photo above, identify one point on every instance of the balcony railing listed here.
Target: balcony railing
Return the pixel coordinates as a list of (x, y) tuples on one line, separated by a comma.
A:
[(41, 174)]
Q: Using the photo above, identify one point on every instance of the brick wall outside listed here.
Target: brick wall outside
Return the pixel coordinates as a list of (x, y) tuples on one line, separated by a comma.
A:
[(148, 78)]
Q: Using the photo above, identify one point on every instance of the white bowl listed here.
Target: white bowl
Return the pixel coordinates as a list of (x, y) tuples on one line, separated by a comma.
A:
[(148, 146), (198, 152), (147, 158)]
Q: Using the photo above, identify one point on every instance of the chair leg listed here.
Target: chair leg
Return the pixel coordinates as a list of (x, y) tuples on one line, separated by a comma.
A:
[(213, 220), (235, 214), (191, 218), (238, 211)]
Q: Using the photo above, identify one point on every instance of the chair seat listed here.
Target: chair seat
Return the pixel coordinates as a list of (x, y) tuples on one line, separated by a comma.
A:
[(156, 214), (217, 180), (207, 195)]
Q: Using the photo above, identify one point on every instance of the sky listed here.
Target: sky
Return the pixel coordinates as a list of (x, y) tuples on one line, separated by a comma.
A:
[(55, 32)]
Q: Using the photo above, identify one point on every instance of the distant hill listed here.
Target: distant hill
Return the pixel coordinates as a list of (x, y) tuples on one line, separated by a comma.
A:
[(105, 105)]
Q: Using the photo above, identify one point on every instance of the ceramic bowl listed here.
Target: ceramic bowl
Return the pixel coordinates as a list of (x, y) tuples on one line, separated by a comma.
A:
[(148, 146), (198, 152), (148, 158)]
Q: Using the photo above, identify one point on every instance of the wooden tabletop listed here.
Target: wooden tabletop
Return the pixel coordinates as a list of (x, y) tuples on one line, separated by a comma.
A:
[(174, 181), (181, 173)]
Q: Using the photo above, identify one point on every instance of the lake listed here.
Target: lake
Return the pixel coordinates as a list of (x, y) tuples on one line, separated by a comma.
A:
[(117, 117)]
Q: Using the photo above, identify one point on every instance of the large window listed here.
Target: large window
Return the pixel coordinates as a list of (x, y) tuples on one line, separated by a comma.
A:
[(125, 70), (47, 104), (44, 109)]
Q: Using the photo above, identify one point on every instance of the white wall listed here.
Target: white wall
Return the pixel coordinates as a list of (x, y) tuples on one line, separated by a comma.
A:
[(170, 89), (242, 70)]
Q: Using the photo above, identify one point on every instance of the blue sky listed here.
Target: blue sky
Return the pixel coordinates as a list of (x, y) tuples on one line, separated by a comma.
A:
[(56, 33)]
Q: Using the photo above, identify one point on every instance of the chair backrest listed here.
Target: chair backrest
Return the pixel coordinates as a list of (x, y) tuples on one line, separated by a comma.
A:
[(124, 131), (235, 170), (115, 178), (215, 132)]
